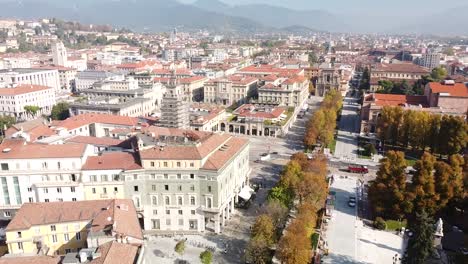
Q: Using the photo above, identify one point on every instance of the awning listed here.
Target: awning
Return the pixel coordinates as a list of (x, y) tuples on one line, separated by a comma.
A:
[(246, 193)]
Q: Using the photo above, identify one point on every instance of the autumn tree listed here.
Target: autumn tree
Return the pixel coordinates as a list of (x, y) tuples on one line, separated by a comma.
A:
[(423, 188), (295, 246), (264, 229), (387, 192), (258, 252), (277, 212)]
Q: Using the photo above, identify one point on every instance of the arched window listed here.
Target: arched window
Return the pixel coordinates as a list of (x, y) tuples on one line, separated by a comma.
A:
[(192, 200), (209, 202)]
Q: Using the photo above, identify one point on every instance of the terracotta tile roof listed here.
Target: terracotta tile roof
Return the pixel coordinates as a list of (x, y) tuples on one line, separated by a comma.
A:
[(186, 152), (270, 78), (397, 99), (192, 79), (112, 161), (86, 119), (400, 68), (115, 252), (23, 89), (249, 110), (269, 69), (30, 260), (120, 214), (56, 67), (35, 151), (101, 141), (220, 157), (457, 89), (175, 132)]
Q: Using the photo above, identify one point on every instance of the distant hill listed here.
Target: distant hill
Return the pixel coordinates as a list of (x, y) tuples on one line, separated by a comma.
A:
[(278, 17), (149, 15)]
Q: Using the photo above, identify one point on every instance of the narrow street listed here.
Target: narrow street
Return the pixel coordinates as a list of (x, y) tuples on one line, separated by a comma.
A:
[(346, 143)]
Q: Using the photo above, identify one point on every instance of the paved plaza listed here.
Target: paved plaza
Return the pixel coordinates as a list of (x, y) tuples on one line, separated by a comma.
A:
[(349, 241)]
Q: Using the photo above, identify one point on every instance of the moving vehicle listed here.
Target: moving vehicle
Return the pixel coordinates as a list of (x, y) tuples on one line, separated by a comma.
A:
[(358, 169)]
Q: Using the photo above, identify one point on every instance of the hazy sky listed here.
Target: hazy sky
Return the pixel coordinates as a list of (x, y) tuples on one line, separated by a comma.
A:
[(358, 6)]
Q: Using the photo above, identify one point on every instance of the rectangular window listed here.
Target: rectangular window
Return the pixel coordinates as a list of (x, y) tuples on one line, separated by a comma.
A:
[(166, 176), (31, 200), (46, 190), (192, 212), (168, 212), (179, 187), (166, 187), (74, 199), (29, 189), (17, 190), (192, 164), (59, 190), (153, 176), (53, 228), (153, 187), (54, 238), (135, 188), (20, 245), (72, 189), (152, 164), (135, 176), (18, 234), (46, 200), (209, 188), (104, 190), (155, 212), (66, 237), (116, 189), (179, 176), (4, 166), (78, 236), (67, 250), (178, 164), (180, 212), (103, 178), (93, 190), (6, 194), (181, 222), (168, 222), (165, 164), (192, 176)]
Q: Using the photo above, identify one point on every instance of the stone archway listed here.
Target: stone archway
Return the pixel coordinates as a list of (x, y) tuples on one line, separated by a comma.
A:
[(267, 132), (242, 130), (231, 128), (223, 127)]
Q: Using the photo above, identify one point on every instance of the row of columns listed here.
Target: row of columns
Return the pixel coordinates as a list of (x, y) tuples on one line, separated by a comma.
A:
[(225, 214)]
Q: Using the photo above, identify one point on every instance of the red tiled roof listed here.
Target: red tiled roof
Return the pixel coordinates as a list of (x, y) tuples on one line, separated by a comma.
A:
[(118, 213), (192, 79), (102, 141), (220, 157), (397, 99), (457, 89), (86, 119), (30, 260), (112, 161), (32, 151), (400, 68), (115, 252), (23, 89)]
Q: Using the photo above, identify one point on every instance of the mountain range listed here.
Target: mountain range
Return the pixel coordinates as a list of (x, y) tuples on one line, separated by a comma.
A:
[(163, 15)]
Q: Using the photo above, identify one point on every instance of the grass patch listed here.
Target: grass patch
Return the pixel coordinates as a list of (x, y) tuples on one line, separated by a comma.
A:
[(393, 225), (410, 162), (314, 239), (332, 145)]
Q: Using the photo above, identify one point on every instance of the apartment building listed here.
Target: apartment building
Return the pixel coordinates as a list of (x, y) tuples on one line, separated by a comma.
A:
[(67, 76), (395, 72), (31, 76), (65, 227), (86, 79), (101, 175), (234, 89), (15, 97), (190, 179), (39, 173), (291, 92)]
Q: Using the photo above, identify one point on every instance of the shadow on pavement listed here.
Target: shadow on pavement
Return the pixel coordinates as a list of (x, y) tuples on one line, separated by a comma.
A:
[(340, 259), (380, 245)]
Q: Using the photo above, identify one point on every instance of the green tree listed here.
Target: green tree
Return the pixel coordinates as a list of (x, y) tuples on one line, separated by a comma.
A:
[(312, 57), (420, 246), (180, 247), (60, 111), (387, 86), (6, 122), (31, 110), (423, 189), (438, 74), (206, 257), (387, 192), (365, 80), (281, 195)]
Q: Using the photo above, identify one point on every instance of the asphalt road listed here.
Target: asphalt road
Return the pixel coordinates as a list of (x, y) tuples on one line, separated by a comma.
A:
[(348, 130)]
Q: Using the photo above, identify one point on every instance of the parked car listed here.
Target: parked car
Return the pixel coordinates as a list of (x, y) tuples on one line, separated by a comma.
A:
[(358, 169)]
